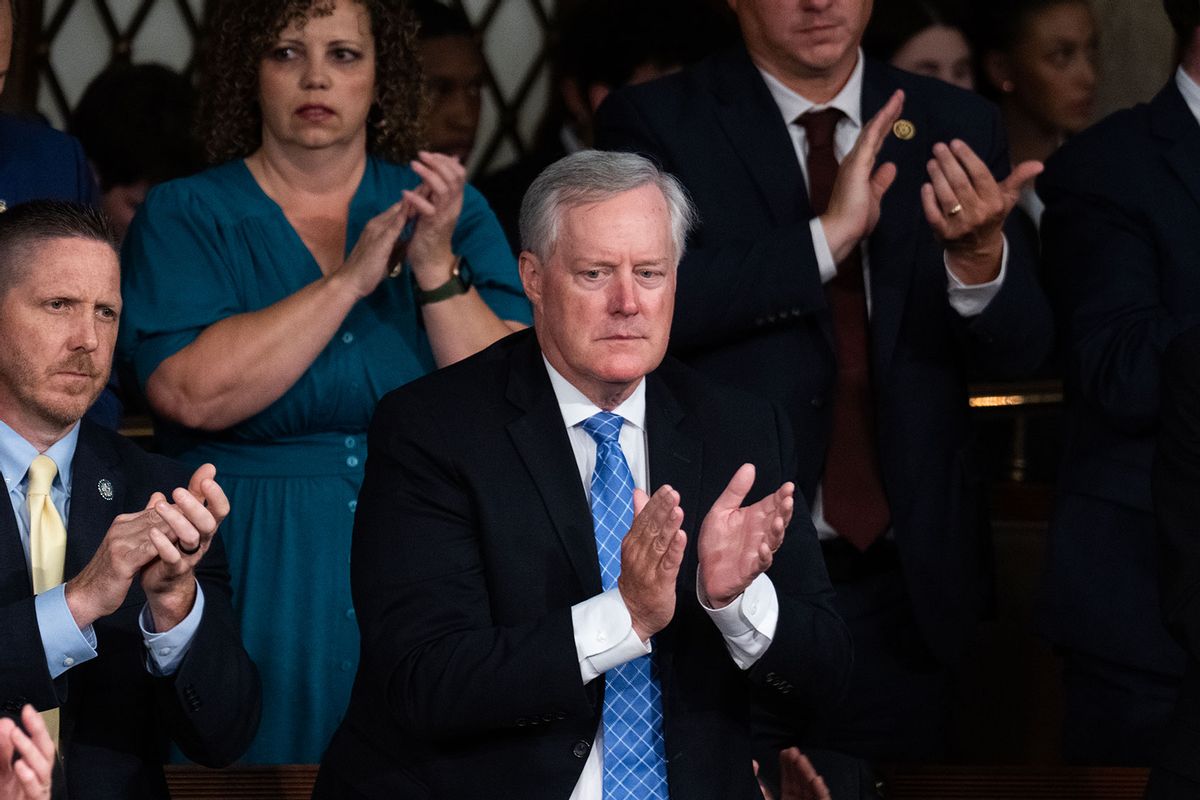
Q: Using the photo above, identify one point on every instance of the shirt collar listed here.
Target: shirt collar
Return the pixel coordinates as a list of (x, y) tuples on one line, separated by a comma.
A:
[(16, 455), (792, 105), (1190, 91), (575, 406)]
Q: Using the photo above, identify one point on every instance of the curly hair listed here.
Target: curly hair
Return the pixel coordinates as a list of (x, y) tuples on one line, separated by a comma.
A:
[(241, 32)]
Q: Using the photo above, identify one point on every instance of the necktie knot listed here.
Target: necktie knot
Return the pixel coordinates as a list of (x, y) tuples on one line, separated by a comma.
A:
[(604, 427), (819, 127), (41, 475)]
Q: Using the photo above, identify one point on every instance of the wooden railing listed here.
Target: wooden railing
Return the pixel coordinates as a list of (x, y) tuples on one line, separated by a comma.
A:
[(294, 782)]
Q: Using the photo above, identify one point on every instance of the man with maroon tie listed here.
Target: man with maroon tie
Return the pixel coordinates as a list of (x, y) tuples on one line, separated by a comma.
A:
[(855, 266)]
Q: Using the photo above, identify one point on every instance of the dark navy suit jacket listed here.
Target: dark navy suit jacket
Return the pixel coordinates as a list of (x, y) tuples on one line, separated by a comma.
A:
[(1176, 478), (1121, 238), (473, 539), (117, 719), (38, 162), (751, 309)]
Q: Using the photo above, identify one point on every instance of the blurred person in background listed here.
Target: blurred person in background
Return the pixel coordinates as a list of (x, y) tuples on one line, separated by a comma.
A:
[(36, 161), (603, 45), (454, 72), (921, 36), (135, 124), (273, 299), (1122, 233), (1037, 60)]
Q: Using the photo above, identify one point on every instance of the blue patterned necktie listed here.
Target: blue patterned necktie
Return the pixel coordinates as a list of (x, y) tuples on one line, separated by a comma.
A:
[(635, 762)]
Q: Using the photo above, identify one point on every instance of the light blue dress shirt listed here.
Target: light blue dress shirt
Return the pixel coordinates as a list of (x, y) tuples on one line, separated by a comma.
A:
[(65, 644)]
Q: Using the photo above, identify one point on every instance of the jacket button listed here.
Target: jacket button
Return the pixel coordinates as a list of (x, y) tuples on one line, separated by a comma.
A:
[(817, 401), (580, 750)]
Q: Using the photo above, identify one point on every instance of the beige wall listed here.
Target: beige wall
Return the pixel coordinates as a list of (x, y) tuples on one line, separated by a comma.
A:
[(1137, 51)]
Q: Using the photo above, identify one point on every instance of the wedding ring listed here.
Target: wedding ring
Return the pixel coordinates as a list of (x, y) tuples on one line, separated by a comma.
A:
[(187, 552), (957, 209)]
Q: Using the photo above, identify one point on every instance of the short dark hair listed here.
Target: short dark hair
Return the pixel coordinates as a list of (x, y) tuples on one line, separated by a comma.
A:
[(135, 124), (605, 41), (1184, 16), (894, 22), (26, 224), (437, 20), (1000, 24)]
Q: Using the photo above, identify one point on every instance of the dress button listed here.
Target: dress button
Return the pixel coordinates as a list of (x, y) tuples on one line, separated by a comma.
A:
[(602, 637), (347, 337), (580, 750), (353, 504), (68, 662), (164, 651), (350, 442), (345, 666), (753, 608), (349, 613), (352, 461)]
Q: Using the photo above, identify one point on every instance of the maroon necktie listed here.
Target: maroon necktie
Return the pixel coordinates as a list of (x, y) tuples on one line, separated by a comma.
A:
[(854, 501)]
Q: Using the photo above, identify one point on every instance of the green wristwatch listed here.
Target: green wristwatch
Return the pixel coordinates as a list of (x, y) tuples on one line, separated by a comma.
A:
[(458, 283)]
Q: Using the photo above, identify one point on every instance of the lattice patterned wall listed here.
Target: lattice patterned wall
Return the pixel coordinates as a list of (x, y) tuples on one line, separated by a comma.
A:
[(80, 37)]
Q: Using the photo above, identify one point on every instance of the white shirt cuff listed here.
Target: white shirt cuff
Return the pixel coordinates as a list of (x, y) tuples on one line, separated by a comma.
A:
[(971, 300), (825, 262), (64, 643), (604, 635), (748, 623), (167, 649)]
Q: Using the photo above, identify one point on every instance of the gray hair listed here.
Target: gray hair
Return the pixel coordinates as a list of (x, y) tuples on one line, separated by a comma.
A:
[(593, 176)]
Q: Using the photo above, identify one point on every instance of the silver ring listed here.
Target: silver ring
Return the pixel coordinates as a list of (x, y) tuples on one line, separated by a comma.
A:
[(956, 210)]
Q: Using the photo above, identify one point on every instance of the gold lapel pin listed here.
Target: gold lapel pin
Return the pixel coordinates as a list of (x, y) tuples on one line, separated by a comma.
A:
[(904, 129)]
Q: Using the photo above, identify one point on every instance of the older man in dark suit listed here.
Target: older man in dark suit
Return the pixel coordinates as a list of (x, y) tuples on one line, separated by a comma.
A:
[(859, 298), (517, 643), (115, 616)]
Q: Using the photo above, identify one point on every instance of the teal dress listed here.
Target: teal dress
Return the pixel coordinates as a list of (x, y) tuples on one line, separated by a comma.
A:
[(213, 245)]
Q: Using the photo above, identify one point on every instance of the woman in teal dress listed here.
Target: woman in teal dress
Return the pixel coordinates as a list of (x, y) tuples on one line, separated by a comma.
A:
[(272, 300)]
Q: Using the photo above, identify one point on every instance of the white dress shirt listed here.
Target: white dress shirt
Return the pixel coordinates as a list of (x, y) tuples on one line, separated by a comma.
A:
[(604, 635), (1190, 91), (967, 300)]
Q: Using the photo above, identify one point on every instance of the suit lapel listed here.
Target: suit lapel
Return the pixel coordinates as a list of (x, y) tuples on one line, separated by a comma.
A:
[(675, 459), (1173, 121), (540, 438), (750, 119), (91, 513), (892, 245)]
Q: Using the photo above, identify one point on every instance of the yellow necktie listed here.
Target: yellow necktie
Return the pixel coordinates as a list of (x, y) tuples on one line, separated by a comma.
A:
[(47, 543)]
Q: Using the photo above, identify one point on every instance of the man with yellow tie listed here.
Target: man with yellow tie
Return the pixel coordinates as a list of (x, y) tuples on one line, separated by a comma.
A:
[(115, 613)]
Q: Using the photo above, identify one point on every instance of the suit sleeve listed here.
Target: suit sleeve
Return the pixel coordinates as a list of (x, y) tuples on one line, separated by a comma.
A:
[(1176, 500), (717, 300), (212, 705), (1014, 334), (431, 650), (1115, 324), (24, 677), (808, 663)]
